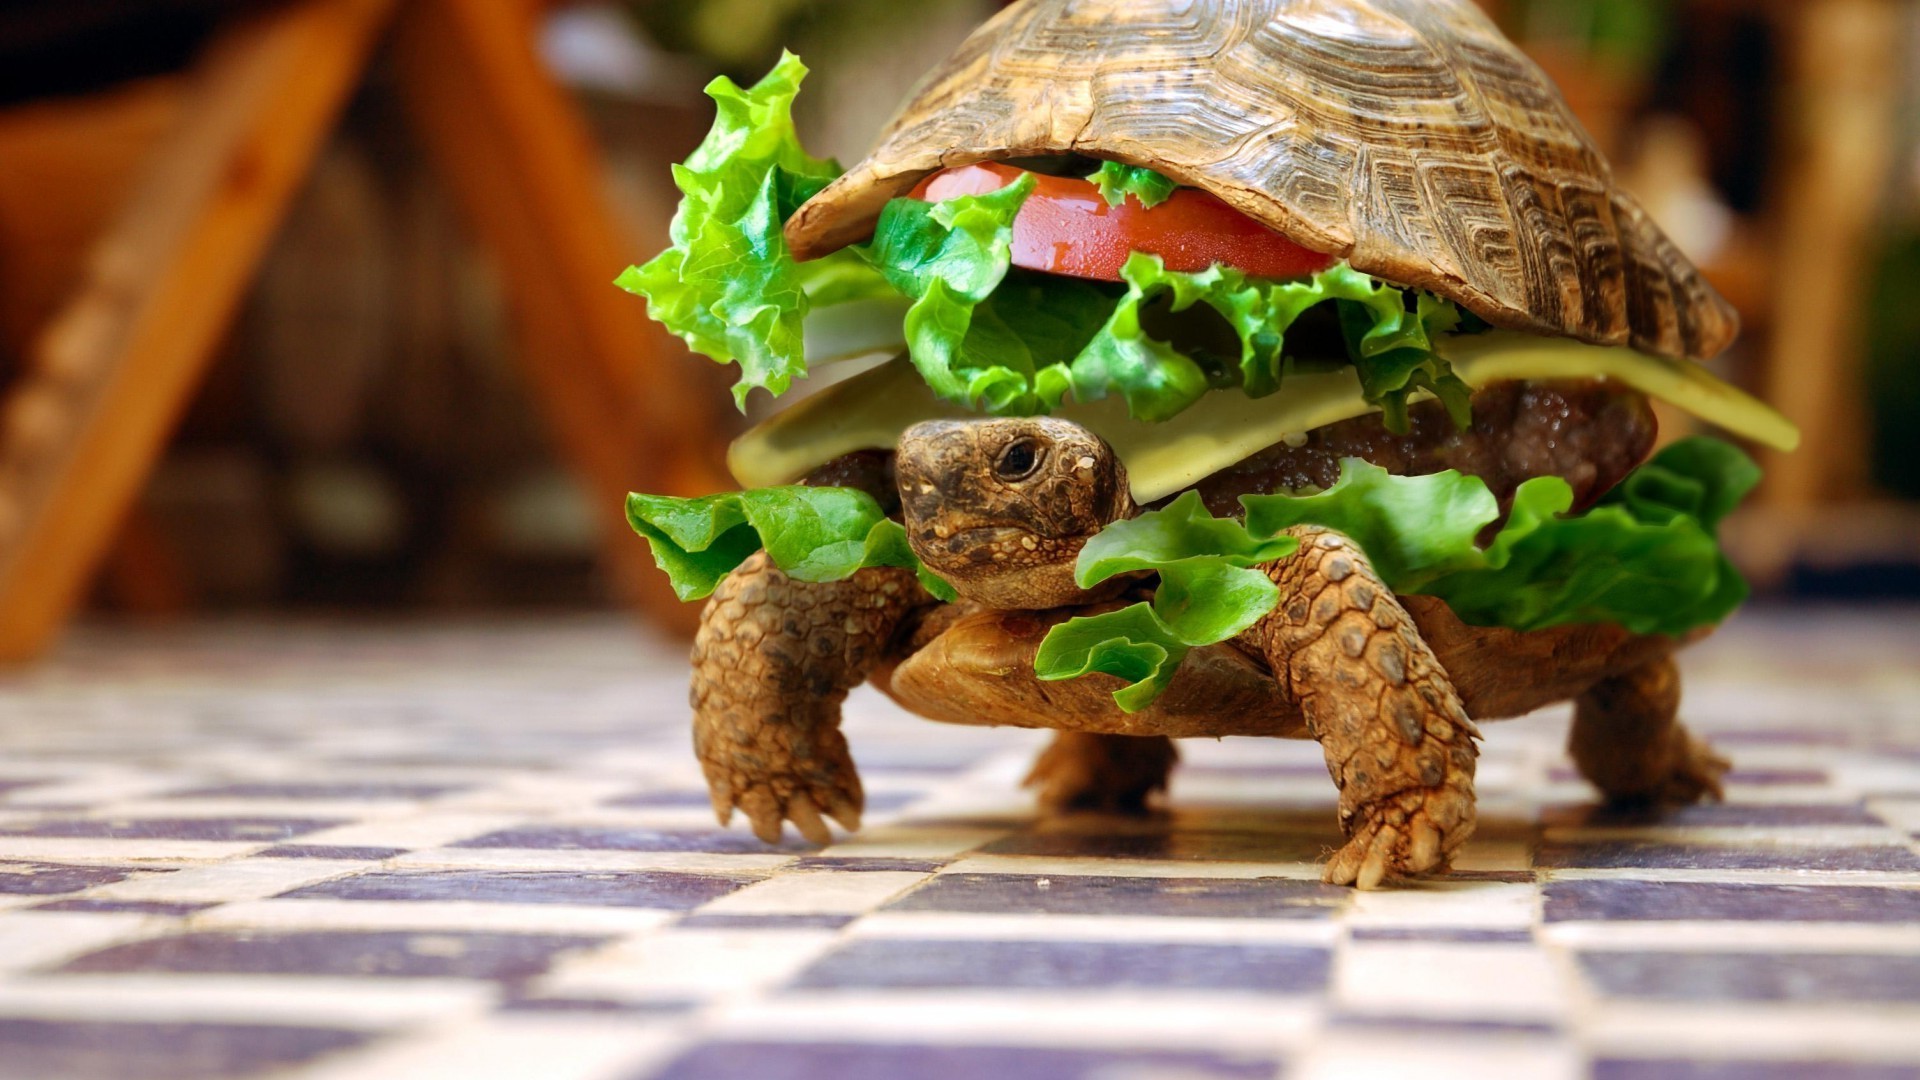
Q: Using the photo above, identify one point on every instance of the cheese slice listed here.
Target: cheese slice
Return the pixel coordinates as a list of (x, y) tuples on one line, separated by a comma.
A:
[(870, 411)]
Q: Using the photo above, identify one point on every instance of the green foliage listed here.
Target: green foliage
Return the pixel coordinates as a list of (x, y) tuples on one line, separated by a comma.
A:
[(982, 335), (811, 533), (728, 284), (1117, 181), (1647, 559)]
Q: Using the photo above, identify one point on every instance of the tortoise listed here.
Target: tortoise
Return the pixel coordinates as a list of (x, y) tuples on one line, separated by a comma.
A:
[(1408, 138)]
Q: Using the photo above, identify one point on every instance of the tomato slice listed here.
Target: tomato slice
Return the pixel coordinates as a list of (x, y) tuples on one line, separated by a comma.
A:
[(1067, 227)]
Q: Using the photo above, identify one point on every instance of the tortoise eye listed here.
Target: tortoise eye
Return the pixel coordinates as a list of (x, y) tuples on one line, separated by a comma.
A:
[(1019, 460)]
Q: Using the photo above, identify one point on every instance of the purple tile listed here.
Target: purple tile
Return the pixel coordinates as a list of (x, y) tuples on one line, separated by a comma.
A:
[(1627, 854), (1304, 845), (1752, 777), (329, 851), (373, 954), (363, 792), (598, 1005), (1061, 894), (1673, 900), (1714, 976), (1626, 1069), (671, 890), (1463, 934), (99, 1050), (765, 922), (620, 838), (892, 964), (140, 907), (1304, 770), (52, 879), (884, 802), (251, 829), (1715, 815), (847, 1061), (1351, 1023), (1785, 737)]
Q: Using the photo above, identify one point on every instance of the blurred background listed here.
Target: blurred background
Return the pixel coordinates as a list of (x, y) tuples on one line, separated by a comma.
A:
[(387, 414)]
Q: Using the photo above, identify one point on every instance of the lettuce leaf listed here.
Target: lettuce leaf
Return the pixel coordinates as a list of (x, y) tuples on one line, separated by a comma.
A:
[(1117, 181), (811, 533), (1647, 558), (950, 258), (1390, 344), (990, 340), (728, 285)]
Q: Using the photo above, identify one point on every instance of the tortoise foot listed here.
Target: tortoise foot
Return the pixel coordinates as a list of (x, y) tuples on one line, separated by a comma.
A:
[(1107, 773), (1693, 772), (1410, 835), (824, 785), (1628, 741)]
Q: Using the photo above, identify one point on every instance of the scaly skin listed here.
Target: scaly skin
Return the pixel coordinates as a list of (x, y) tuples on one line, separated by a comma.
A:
[(1399, 745), (1108, 773), (772, 663), (1629, 743)]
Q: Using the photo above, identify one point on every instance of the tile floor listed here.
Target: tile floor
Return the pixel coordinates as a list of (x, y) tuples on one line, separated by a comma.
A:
[(483, 851)]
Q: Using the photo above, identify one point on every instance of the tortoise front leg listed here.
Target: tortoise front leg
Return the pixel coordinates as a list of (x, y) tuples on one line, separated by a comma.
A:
[(1628, 740), (1110, 773), (1397, 741), (772, 663)]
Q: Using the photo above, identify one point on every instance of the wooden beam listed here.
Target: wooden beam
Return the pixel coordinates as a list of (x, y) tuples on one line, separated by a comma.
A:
[(622, 399), (111, 373), (1842, 126)]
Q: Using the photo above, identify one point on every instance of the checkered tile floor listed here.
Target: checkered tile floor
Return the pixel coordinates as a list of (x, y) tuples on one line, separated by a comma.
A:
[(483, 852)]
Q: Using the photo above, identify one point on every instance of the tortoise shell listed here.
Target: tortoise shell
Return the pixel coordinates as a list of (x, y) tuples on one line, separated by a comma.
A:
[(1409, 137)]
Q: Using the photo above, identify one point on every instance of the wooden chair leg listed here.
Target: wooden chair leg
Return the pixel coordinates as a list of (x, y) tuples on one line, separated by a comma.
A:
[(109, 376), (622, 400)]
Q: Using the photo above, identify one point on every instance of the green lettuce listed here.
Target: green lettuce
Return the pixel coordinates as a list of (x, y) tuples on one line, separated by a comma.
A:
[(812, 534), (985, 336), (1647, 558), (1207, 594), (1117, 181), (728, 285)]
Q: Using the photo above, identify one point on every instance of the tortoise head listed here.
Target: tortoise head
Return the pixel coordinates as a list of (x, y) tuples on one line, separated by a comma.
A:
[(1001, 508)]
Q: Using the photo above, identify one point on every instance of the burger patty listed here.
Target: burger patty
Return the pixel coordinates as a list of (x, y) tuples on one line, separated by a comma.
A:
[(1588, 432)]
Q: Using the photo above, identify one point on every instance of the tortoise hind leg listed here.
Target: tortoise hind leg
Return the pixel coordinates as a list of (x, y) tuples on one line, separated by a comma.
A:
[(1397, 740), (1628, 741), (1110, 773)]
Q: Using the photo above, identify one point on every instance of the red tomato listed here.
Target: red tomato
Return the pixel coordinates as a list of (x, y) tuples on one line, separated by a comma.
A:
[(1067, 227)]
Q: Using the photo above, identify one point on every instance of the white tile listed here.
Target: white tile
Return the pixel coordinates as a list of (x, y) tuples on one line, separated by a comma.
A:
[(328, 914), (908, 841), (1756, 1030), (121, 852), (1365, 1054), (675, 965), (30, 939), (416, 831), (1501, 982), (1121, 928), (590, 861), (306, 1001), (1483, 905), (1770, 937), (1134, 868), (1192, 1020), (816, 893), (247, 879), (508, 1048)]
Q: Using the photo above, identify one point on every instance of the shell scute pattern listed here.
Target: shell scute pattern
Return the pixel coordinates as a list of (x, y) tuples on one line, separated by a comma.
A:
[(1407, 136)]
